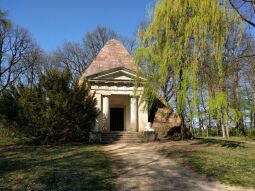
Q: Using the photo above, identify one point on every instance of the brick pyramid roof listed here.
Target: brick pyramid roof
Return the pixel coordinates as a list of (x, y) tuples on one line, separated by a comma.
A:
[(112, 55)]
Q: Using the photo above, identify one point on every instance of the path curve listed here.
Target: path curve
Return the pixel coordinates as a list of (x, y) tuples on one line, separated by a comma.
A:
[(140, 167)]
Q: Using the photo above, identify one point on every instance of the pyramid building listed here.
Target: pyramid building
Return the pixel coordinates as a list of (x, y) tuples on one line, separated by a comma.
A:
[(111, 78)]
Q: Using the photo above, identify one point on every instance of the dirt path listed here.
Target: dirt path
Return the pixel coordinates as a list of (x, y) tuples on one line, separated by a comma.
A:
[(139, 167)]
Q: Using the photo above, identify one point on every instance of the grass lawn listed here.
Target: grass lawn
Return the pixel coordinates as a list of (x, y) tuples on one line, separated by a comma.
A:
[(228, 161), (8, 140), (10, 137), (72, 167), (241, 138)]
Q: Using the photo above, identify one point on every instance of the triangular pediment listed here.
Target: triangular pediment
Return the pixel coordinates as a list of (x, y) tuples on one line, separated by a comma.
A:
[(117, 74)]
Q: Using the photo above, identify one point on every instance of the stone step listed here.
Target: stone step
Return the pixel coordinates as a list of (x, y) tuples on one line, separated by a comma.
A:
[(116, 138), (120, 133), (124, 141), (120, 137), (127, 134), (121, 141), (132, 139)]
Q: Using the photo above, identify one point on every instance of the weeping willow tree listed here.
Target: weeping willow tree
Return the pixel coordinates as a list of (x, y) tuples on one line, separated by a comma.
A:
[(184, 39)]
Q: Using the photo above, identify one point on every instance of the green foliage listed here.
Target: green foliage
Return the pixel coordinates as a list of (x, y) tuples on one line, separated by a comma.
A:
[(52, 111), (4, 21), (184, 44)]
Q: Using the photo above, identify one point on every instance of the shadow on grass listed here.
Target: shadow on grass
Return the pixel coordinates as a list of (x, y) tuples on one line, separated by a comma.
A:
[(219, 166), (223, 143), (54, 168), (228, 161), (197, 161)]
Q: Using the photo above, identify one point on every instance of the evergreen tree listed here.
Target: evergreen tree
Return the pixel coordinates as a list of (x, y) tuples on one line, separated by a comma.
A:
[(52, 111)]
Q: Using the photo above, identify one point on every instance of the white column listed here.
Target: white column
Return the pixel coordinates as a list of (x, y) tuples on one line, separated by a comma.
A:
[(98, 124), (133, 113), (106, 113), (143, 115)]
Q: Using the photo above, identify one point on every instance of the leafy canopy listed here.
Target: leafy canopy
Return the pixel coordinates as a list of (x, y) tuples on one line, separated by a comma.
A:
[(183, 38)]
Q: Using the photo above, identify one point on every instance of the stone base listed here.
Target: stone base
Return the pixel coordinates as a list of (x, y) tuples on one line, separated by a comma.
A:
[(150, 136), (95, 137)]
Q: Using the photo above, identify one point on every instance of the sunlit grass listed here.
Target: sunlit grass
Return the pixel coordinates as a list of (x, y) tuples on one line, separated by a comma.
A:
[(228, 161)]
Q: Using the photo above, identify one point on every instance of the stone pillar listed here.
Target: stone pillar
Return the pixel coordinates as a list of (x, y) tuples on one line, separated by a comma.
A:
[(106, 113), (98, 124), (133, 113), (143, 115)]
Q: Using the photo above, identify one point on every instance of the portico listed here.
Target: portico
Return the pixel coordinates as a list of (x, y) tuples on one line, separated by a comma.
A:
[(121, 109)]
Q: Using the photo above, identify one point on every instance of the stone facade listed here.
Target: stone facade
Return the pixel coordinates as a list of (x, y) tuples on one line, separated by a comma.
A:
[(111, 79)]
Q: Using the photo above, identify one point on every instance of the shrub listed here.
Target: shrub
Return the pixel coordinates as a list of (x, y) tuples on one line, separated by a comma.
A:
[(52, 111)]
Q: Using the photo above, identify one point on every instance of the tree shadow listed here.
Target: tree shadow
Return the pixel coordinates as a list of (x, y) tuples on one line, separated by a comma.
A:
[(152, 173), (222, 143), (55, 168)]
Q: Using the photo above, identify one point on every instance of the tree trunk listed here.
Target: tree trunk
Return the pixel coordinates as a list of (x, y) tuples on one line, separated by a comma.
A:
[(253, 101), (223, 129), (237, 102), (218, 127), (180, 105), (227, 129), (200, 123), (208, 126), (183, 133), (253, 119)]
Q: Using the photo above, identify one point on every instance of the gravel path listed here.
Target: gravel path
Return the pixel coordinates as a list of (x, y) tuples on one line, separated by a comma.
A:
[(140, 167)]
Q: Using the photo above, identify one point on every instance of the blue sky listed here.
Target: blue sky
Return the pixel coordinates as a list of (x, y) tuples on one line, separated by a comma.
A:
[(51, 22)]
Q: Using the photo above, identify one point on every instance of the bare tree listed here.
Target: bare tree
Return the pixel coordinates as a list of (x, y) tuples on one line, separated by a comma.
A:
[(77, 56), (129, 43), (245, 9), (33, 61), (73, 56), (94, 41), (15, 44)]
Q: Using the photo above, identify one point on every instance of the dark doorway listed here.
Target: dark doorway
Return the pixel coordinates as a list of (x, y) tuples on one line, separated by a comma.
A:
[(117, 119)]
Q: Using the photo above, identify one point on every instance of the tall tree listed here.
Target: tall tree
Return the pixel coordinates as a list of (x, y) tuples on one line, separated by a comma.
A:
[(73, 56), (183, 38), (15, 44)]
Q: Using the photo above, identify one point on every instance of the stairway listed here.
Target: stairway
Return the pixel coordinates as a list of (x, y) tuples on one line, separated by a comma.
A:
[(120, 137)]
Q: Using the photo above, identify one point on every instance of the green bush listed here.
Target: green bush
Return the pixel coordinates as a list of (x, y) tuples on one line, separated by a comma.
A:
[(249, 132), (52, 111)]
